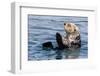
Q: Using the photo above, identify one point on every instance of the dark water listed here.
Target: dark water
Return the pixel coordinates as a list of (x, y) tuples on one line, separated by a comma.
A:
[(43, 28)]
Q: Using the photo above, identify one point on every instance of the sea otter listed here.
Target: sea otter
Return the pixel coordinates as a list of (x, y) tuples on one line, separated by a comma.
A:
[(71, 40)]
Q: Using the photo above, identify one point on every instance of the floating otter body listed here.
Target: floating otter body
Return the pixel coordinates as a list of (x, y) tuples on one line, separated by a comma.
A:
[(68, 42), (71, 40)]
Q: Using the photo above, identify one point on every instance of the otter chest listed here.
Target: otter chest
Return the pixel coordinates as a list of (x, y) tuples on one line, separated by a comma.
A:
[(72, 40)]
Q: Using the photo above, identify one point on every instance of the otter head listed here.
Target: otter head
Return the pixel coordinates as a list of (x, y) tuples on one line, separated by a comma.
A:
[(70, 27)]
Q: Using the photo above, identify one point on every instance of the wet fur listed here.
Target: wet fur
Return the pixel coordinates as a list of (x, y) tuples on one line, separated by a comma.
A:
[(71, 39)]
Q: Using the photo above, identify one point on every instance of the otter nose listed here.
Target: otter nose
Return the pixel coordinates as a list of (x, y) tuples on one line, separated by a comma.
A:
[(64, 24)]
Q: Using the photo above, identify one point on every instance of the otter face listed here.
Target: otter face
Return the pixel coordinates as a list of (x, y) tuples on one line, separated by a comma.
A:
[(70, 27)]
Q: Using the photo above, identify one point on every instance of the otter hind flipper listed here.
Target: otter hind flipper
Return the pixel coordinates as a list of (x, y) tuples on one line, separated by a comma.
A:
[(47, 45)]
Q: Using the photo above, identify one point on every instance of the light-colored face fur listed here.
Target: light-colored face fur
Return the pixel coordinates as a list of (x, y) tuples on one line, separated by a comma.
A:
[(70, 27)]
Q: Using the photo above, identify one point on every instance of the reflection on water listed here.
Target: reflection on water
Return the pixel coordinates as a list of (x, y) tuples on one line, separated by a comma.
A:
[(43, 28)]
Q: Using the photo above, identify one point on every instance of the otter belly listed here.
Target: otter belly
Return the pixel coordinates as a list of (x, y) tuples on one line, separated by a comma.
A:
[(72, 41)]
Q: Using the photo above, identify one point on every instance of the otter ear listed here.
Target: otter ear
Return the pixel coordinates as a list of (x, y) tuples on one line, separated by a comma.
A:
[(74, 29)]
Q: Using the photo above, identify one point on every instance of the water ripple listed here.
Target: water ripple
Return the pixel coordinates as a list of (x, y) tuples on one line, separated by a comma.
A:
[(44, 28)]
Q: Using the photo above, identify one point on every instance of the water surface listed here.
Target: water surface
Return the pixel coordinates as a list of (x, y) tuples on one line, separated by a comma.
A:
[(43, 28)]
